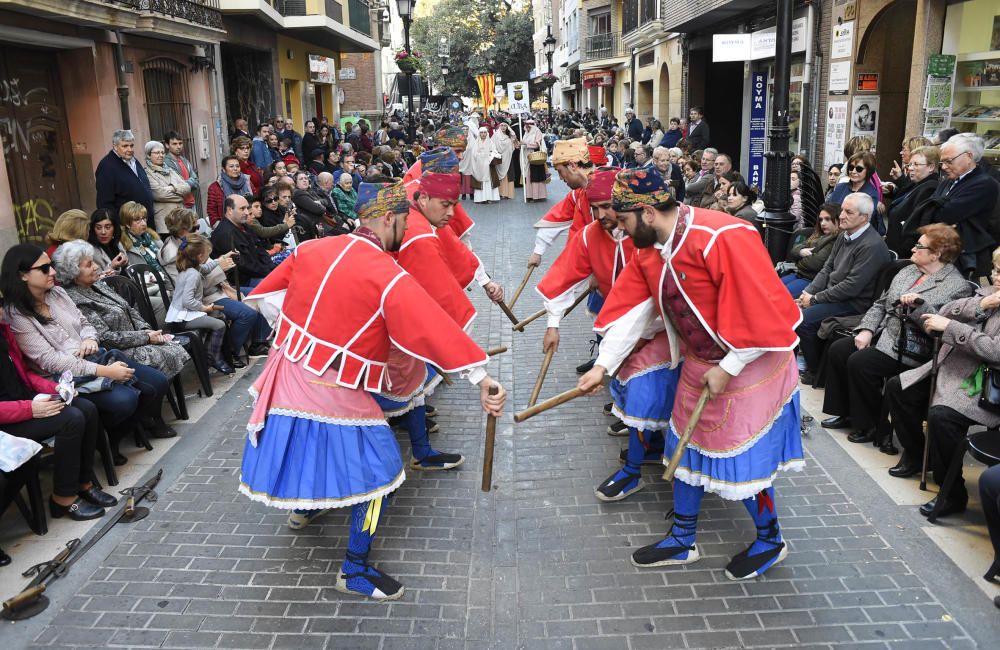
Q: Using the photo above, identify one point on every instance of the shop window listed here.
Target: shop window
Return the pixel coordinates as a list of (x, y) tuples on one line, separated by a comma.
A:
[(168, 105)]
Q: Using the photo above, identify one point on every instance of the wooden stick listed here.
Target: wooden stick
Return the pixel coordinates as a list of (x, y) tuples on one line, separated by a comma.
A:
[(520, 287), (507, 312), (579, 299), (495, 351), (541, 376), (491, 432), (682, 444), (445, 378), (550, 403), (519, 327)]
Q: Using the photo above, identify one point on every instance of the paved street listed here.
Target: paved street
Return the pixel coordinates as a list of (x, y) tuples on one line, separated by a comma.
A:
[(536, 563)]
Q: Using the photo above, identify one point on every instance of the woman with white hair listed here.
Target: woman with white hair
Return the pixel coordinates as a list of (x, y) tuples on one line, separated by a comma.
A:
[(482, 158), (169, 189)]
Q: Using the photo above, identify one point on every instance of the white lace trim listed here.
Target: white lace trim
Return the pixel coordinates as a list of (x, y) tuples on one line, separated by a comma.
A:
[(644, 371), (320, 504), (641, 424), (736, 451), (735, 491), (254, 428)]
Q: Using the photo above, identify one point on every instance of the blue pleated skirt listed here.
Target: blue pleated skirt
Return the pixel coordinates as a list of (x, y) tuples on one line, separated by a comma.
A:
[(395, 405), (644, 400), (740, 476), (304, 463)]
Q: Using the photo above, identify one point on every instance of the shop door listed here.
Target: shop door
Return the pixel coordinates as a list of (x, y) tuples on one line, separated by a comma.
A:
[(37, 149)]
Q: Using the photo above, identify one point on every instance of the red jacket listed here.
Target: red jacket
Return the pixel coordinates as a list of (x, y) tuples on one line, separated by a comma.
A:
[(256, 177), (592, 252), (20, 410)]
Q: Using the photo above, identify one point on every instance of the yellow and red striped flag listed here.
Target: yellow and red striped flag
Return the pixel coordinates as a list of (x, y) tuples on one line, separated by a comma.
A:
[(486, 82)]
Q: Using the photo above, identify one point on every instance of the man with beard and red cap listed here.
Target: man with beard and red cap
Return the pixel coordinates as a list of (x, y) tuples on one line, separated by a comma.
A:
[(707, 276), (643, 389), (316, 437), (455, 137)]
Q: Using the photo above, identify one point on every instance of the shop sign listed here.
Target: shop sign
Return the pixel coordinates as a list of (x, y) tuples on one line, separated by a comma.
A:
[(730, 47), (840, 77), (867, 82), (348, 73), (758, 129), (763, 43), (756, 45), (842, 40), (836, 133), (598, 78), (321, 69), (518, 97)]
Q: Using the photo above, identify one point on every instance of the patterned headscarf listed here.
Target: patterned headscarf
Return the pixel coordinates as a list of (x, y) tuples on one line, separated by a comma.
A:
[(453, 136), (441, 160), (603, 179), (375, 199), (635, 188)]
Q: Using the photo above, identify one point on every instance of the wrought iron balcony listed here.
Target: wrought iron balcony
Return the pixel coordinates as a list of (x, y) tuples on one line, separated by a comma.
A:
[(299, 8), (603, 46), (201, 12), (637, 13)]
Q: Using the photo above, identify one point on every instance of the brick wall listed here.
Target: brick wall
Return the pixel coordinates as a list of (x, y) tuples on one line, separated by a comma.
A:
[(360, 93)]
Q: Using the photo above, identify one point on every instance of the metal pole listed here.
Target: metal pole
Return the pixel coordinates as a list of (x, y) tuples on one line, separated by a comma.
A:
[(776, 223), (410, 130)]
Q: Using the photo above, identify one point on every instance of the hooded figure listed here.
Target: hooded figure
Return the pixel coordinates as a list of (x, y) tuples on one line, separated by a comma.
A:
[(534, 175), (503, 140), (481, 159)]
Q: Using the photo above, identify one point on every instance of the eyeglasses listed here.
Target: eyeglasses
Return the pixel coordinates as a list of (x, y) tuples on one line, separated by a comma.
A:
[(271, 199), (913, 164), (921, 247), (44, 268), (949, 161), (856, 168)]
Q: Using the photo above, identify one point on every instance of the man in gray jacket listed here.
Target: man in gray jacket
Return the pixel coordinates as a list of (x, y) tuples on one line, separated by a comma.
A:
[(176, 161), (846, 283)]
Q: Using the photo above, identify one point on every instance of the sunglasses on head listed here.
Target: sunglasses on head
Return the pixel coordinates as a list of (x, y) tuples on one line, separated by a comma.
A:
[(44, 268), (856, 168)]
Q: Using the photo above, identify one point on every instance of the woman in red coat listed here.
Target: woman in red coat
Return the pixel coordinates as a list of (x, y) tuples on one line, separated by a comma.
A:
[(73, 427)]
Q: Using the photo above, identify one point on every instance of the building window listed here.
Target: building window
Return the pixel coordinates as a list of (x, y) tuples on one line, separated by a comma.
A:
[(600, 23), (167, 103)]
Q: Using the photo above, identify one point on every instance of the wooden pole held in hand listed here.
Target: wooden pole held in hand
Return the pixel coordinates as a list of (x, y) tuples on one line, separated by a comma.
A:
[(491, 433), (445, 378), (541, 376), (507, 312), (492, 352), (579, 299), (520, 287), (682, 444), (550, 403), (519, 327)]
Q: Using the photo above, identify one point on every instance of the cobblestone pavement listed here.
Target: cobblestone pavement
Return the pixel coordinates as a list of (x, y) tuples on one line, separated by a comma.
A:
[(536, 563)]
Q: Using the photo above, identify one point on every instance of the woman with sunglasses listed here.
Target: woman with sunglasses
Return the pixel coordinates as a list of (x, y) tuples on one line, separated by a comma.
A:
[(860, 169)]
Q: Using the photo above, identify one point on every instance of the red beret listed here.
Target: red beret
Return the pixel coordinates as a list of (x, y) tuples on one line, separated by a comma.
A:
[(598, 155)]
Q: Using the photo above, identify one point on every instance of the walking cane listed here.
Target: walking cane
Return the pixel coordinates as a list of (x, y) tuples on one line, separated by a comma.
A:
[(927, 425), (541, 376), (550, 403), (491, 432), (520, 287), (682, 444)]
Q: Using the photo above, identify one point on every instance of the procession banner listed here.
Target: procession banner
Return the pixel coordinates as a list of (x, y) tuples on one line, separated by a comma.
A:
[(486, 83), (519, 100)]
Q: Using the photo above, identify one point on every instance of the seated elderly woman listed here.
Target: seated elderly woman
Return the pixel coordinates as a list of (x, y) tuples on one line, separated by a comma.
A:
[(810, 255), (857, 367), (970, 341), (142, 246), (119, 326), (31, 408), (56, 338)]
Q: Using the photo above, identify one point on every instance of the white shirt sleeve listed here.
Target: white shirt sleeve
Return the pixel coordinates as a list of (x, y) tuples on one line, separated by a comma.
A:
[(474, 375), (557, 307), (623, 334), (736, 360), (545, 236), (482, 278)]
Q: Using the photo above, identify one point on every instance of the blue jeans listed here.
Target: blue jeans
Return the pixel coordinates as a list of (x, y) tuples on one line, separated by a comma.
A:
[(249, 286), (811, 318), (794, 284), (245, 322), (142, 399)]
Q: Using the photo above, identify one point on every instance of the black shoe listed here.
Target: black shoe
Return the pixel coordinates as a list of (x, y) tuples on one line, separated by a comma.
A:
[(990, 575), (160, 429), (585, 367), (432, 426), (619, 428), (652, 457), (223, 368), (259, 349), (239, 363), (607, 408), (98, 497), (807, 378), (836, 422), (887, 448), (862, 437), (952, 506), (79, 510), (4, 558), (905, 468), (430, 411)]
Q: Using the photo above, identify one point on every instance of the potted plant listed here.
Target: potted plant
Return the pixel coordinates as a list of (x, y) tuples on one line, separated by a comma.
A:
[(408, 62)]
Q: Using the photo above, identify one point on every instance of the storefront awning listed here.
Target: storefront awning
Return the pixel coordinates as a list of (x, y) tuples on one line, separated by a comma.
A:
[(597, 78)]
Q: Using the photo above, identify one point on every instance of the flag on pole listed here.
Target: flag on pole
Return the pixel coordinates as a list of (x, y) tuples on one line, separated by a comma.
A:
[(486, 83)]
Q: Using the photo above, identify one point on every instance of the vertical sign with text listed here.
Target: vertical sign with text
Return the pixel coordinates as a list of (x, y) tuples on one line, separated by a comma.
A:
[(758, 129)]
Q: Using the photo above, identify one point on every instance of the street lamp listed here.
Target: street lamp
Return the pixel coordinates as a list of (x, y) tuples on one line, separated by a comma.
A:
[(550, 47), (444, 52), (405, 8)]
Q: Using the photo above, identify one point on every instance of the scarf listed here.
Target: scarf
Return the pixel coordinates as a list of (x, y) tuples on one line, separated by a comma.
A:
[(147, 247), (229, 186)]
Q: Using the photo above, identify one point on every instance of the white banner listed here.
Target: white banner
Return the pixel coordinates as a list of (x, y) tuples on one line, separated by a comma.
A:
[(836, 134), (518, 97), (730, 47)]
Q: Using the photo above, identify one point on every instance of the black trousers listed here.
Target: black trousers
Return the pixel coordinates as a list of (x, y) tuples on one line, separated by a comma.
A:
[(947, 429), (75, 431), (854, 382), (989, 493)]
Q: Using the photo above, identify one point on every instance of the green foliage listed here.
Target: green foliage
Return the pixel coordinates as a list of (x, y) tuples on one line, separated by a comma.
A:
[(483, 36)]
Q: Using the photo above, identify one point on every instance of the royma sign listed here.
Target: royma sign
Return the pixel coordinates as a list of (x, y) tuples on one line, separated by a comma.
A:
[(755, 45), (592, 78)]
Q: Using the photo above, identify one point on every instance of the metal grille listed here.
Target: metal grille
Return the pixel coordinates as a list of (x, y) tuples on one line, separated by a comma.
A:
[(167, 103), (360, 20)]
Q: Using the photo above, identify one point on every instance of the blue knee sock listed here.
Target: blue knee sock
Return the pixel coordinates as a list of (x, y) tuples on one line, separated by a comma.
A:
[(364, 521), (415, 423), (765, 516), (687, 503), (636, 451)]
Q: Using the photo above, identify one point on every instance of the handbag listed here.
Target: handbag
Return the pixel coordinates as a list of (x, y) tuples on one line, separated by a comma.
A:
[(917, 346), (989, 398)]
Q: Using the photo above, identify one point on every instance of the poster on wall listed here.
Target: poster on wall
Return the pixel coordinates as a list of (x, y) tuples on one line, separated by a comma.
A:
[(934, 121), (758, 129), (836, 133), (840, 77), (864, 115), (842, 40)]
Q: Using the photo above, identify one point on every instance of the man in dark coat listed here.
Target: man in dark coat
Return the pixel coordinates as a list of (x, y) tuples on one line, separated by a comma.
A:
[(120, 178), (633, 127), (698, 136), (232, 234)]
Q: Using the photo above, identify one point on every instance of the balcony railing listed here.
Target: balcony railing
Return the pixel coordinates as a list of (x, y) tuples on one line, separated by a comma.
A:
[(201, 12), (636, 13), (603, 46), (299, 8), (360, 20)]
